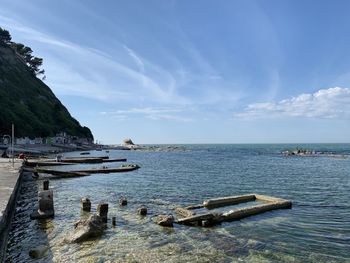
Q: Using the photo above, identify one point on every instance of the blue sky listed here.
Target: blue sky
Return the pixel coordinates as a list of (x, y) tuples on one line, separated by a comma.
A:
[(194, 71)]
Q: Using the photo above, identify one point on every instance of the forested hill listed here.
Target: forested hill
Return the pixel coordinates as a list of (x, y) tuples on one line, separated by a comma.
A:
[(29, 103)]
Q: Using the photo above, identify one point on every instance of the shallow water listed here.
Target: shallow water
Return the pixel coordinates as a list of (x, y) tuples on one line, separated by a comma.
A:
[(316, 229)]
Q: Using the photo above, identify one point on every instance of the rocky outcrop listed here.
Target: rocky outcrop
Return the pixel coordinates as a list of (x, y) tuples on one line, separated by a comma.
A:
[(130, 145), (128, 141), (86, 228)]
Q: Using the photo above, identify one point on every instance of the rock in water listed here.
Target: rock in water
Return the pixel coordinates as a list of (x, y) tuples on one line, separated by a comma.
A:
[(164, 220), (123, 201), (128, 142), (39, 252), (142, 210), (87, 228)]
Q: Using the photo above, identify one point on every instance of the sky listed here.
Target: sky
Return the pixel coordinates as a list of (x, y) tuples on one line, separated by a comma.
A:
[(229, 71)]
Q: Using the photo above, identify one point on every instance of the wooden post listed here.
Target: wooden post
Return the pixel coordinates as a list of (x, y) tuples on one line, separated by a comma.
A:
[(102, 211), (85, 204), (46, 185)]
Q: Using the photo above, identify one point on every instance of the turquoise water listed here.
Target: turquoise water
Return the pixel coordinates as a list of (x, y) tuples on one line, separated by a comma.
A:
[(316, 229)]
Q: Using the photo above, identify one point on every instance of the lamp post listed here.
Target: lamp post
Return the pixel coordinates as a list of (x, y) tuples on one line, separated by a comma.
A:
[(12, 141), (9, 141)]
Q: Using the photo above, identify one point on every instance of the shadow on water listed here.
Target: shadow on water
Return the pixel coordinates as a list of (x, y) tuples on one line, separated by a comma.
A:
[(25, 233)]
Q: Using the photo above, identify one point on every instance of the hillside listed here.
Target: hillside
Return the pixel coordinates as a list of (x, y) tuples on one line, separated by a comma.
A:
[(29, 103)]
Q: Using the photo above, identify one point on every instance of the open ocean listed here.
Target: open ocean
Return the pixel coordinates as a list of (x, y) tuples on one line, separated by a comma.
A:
[(316, 229)]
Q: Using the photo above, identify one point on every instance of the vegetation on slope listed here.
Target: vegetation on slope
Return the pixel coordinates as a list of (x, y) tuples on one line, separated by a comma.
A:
[(28, 102)]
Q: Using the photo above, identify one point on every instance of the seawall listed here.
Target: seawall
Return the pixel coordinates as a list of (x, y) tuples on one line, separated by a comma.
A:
[(10, 185)]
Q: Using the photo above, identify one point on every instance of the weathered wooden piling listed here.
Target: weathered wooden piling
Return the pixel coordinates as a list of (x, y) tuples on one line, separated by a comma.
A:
[(85, 204), (114, 221), (46, 185), (102, 211)]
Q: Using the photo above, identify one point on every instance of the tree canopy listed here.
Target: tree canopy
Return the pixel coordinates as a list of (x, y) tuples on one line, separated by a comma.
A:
[(5, 37), (34, 63)]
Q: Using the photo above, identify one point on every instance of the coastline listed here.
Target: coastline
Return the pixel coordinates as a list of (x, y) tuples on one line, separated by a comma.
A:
[(163, 195)]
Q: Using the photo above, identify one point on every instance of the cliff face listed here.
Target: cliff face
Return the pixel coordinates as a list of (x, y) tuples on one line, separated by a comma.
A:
[(30, 104)]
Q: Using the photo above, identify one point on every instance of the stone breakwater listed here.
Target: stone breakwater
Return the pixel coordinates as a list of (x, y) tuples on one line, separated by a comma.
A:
[(313, 153)]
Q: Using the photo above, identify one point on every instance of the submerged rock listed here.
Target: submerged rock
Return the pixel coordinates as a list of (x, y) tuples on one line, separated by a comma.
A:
[(86, 228), (165, 220), (123, 201), (142, 210), (39, 252)]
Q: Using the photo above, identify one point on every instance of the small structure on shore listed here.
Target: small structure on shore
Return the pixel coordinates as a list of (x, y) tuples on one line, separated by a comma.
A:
[(187, 216)]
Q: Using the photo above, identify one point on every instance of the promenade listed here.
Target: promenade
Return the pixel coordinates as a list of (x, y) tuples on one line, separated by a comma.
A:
[(9, 184)]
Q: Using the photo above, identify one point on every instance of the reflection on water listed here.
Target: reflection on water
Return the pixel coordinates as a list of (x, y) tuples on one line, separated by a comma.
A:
[(316, 229)]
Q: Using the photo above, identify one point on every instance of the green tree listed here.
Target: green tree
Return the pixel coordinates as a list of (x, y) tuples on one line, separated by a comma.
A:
[(34, 64), (5, 37)]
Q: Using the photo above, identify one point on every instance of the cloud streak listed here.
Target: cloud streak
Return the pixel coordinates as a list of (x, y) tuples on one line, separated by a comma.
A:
[(332, 103), (152, 113), (93, 73)]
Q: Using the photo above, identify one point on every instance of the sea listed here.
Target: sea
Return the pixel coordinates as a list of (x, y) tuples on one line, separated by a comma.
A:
[(316, 229)]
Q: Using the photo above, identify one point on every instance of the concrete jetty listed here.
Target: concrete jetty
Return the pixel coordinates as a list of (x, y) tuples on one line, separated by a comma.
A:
[(214, 217), (10, 183)]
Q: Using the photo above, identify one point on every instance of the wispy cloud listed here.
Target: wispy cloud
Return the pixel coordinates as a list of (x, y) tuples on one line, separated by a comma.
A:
[(332, 103), (153, 113), (74, 69)]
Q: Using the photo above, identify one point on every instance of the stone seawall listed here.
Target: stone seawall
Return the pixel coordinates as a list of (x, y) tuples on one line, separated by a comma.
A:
[(10, 185)]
